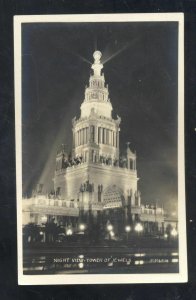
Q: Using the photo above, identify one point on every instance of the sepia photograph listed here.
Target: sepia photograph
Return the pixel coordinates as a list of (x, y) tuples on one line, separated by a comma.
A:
[(99, 110)]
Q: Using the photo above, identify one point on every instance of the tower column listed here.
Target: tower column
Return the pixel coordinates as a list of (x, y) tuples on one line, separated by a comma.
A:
[(96, 135), (134, 164), (118, 139), (115, 139), (74, 139), (87, 134), (101, 135), (82, 136), (110, 137), (105, 135), (79, 137)]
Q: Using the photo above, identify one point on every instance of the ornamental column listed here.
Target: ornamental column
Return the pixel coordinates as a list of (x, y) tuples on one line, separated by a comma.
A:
[(96, 135), (101, 135), (118, 139)]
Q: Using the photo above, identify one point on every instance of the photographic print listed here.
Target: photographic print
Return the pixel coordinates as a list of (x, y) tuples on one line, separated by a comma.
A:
[(99, 104)]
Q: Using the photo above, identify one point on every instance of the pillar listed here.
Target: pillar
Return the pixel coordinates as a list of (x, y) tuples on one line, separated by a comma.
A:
[(81, 131), (134, 164), (82, 136), (79, 137), (110, 138), (87, 134), (107, 136), (101, 135), (96, 134), (105, 141), (118, 139), (73, 139), (116, 142)]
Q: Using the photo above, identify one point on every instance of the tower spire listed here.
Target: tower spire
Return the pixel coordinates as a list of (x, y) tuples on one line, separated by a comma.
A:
[(96, 94)]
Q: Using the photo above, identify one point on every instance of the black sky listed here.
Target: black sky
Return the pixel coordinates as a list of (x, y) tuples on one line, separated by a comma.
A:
[(143, 87)]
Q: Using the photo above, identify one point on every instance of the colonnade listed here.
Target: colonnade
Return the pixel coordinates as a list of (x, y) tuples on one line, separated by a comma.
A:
[(98, 135), (82, 136), (108, 137)]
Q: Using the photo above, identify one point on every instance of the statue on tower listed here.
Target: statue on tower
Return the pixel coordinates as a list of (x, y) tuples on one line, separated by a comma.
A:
[(97, 66)]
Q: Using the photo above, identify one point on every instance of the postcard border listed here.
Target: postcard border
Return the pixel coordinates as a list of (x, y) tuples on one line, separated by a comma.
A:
[(182, 276)]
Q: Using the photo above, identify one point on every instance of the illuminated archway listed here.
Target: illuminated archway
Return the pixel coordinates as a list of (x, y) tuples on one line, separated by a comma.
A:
[(113, 197)]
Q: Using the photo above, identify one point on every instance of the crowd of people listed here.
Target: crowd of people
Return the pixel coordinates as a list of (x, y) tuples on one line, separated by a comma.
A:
[(71, 161), (122, 162), (106, 160)]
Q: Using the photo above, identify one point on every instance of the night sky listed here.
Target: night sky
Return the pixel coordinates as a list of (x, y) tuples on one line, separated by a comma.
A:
[(141, 66)]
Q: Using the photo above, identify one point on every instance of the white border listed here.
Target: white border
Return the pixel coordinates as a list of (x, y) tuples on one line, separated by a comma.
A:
[(103, 278)]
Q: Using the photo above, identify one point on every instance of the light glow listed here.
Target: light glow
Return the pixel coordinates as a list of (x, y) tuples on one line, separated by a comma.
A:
[(174, 232), (139, 227), (127, 228), (82, 227), (69, 231), (109, 227)]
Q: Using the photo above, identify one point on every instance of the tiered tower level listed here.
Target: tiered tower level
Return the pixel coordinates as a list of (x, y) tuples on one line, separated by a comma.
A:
[(95, 175), (96, 133)]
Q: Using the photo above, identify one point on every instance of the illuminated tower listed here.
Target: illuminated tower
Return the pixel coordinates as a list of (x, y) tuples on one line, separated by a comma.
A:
[(96, 177)]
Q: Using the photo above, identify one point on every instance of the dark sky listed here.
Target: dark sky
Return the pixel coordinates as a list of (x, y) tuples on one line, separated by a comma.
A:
[(142, 79)]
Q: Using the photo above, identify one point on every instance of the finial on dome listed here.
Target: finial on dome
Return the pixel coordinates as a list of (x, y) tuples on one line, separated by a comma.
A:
[(97, 66)]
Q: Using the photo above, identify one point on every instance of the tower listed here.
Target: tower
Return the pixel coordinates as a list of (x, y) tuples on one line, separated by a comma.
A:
[(96, 176)]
